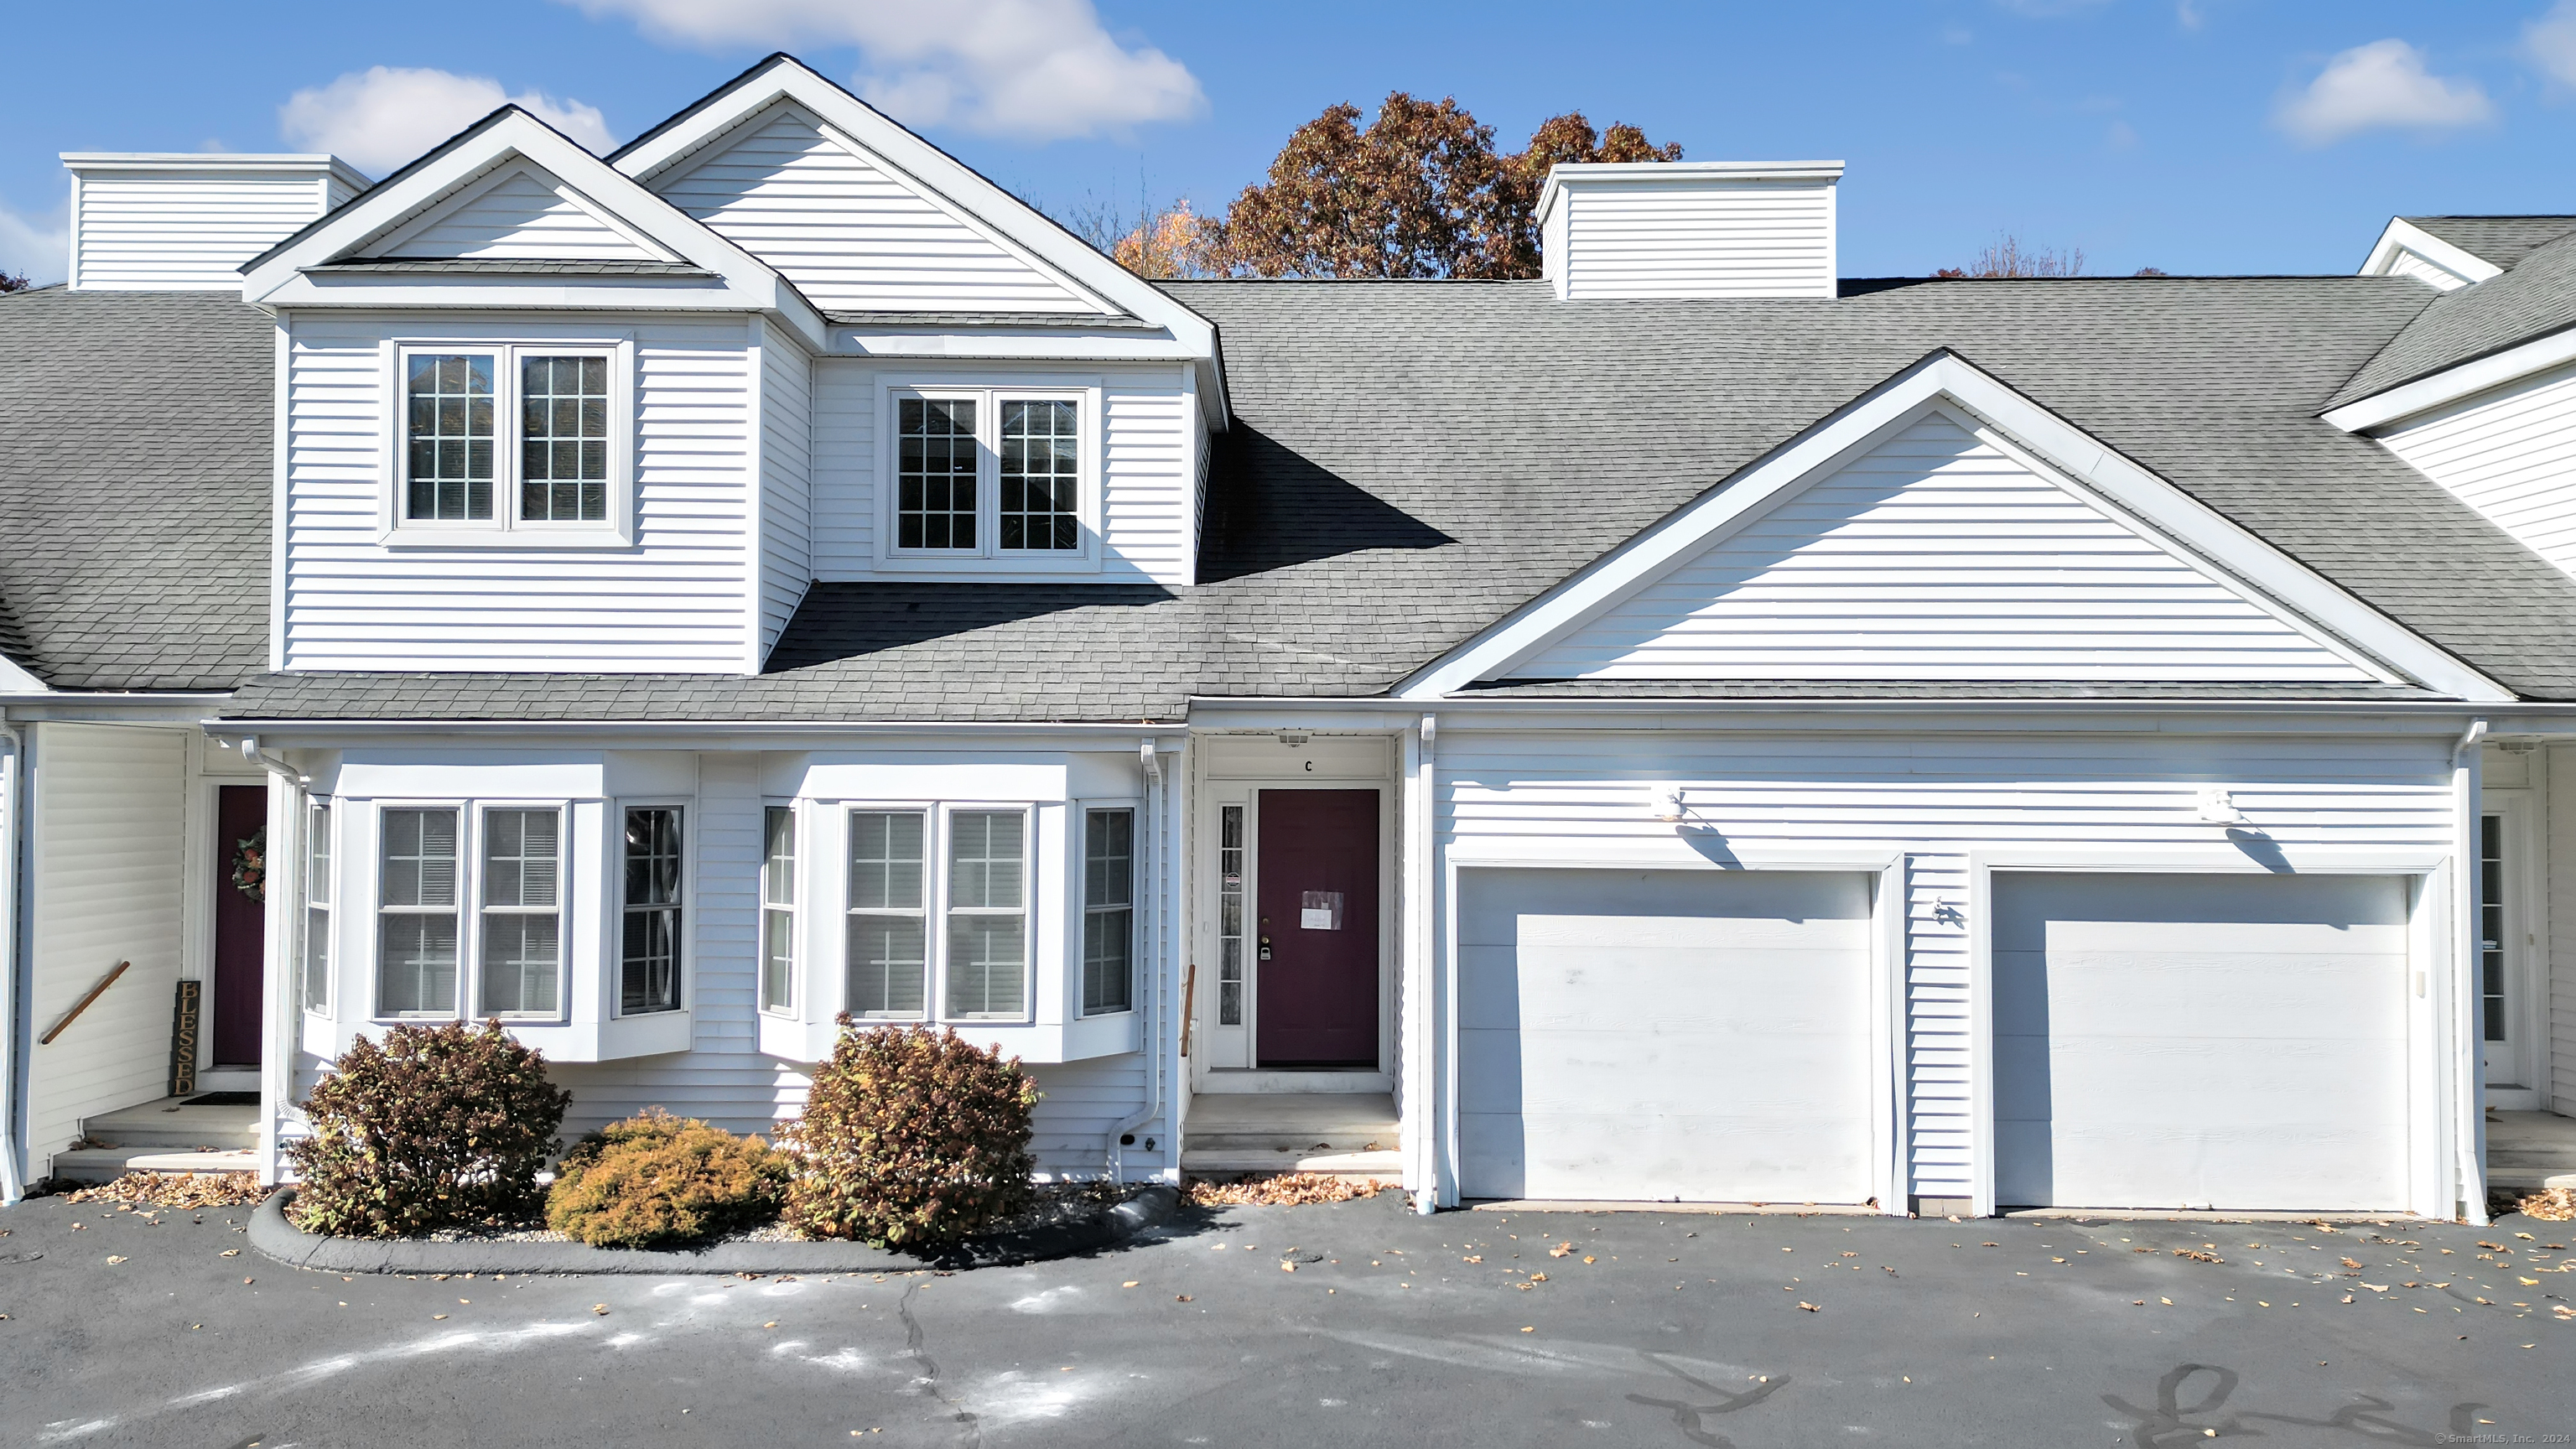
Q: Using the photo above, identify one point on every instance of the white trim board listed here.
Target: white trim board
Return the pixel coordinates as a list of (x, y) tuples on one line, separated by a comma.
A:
[(2040, 438), (2451, 384), (2403, 236)]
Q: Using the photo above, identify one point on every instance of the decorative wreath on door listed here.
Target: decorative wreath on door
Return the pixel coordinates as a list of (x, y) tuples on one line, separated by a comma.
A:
[(250, 865)]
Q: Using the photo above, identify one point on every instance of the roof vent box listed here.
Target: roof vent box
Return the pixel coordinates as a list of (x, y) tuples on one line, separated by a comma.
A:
[(184, 221), (1689, 229)]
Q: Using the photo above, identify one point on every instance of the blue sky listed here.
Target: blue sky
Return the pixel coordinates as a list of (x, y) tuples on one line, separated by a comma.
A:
[(2190, 135)]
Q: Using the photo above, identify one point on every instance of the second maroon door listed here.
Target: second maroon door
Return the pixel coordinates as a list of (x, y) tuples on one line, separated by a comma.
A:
[(1317, 928)]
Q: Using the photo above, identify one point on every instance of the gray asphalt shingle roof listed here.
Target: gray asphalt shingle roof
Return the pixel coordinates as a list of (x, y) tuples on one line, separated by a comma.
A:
[(1411, 461), (2503, 240), (2537, 296), (135, 456)]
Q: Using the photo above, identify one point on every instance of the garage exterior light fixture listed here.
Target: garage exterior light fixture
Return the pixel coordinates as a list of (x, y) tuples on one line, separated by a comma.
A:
[(2218, 807), (1668, 802)]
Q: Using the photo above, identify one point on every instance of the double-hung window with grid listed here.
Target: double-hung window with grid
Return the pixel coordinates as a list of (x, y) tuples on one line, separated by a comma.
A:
[(888, 963), (649, 951), (509, 437), (522, 913), (1108, 910), (988, 922), (985, 473), (416, 880), (778, 909), (317, 906)]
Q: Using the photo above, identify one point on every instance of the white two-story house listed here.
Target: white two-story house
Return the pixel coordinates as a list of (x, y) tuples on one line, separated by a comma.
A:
[(1688, 727)]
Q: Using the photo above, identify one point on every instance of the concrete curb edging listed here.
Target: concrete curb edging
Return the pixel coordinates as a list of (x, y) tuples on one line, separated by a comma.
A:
[(277, 1238)]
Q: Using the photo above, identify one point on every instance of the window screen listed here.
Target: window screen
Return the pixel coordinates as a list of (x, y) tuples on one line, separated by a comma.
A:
[(778, 909), (1108, 910), (987, 913), (317, 907), (416, 914), (889, 961), (522, 919)]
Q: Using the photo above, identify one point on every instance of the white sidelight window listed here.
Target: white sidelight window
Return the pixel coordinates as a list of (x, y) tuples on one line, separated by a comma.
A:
[(1229, 916), (778, 910), (502, 440), (649, 956), (988, 929), (993, 473), (1108, 911), (888, 964), (522, 913), (416, 914), (317, 906)]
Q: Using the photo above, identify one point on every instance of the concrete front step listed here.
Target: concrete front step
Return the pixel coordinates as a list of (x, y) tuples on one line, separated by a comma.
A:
[(1204, 1163), (170, 1125), (107, 1164)]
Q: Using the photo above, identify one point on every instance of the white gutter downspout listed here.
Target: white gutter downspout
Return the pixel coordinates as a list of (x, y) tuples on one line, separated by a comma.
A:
[(1151, 957), (2468, 1114), (277, 1046), (13, 770)]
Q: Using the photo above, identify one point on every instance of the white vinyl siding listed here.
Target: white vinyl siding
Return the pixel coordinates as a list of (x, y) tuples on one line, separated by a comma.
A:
[(786, 460), (1150, 470), (186, 230), (1933, 799), (522, 217), (1698, 238), (853, 234), (678, 601), (2511, 455), (1936, 556), (107, 856)]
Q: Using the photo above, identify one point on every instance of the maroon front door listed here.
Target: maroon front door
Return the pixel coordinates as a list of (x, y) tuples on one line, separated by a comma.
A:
[(1317, 861), (241, 813)]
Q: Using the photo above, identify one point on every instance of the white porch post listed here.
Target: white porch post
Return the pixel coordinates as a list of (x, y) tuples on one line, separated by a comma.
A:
[(1420, 1109), (2465, 1075)]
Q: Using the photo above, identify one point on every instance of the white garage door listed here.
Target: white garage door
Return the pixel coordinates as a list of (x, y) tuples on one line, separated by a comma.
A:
[(2176, 1041), (1658, 1035)]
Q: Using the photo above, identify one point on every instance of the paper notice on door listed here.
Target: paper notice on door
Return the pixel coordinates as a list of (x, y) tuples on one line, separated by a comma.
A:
[(1320, 911)]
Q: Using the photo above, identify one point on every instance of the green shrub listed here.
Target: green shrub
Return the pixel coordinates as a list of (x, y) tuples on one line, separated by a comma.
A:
[(911, 1139), (439, 1126), (655, 1180)]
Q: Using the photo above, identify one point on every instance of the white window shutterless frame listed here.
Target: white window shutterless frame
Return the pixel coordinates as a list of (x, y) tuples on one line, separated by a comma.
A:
[(989, 478), (518, 444)]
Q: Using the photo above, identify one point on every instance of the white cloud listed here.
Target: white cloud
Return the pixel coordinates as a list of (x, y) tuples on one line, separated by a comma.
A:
[(383, 117), (40, 249), (1039, 70), (2382, 85), (2551, 40)]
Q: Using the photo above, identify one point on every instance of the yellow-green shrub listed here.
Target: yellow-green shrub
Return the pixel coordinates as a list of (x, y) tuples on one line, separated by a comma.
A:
[(655, 1180), (911, 1139)]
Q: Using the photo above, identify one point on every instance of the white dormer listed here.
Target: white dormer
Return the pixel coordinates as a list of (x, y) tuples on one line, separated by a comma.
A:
[(1690, 229), (184, 222), (2407, 250)]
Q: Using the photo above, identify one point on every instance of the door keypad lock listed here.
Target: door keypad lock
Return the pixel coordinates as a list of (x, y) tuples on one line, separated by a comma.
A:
[(1265, 938)]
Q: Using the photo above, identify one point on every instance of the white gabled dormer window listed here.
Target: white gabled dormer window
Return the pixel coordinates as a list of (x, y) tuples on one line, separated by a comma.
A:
[(993, 478), (511, 445)]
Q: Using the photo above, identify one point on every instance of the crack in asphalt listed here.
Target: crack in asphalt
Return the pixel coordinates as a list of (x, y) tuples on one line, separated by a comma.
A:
[(971, 1429)]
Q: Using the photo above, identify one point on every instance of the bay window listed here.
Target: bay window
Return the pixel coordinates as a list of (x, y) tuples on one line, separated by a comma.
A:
[(988, 928), (778, 909), (888, 962), (1108, 910), (649, 955), (522, 925), (416, 914)]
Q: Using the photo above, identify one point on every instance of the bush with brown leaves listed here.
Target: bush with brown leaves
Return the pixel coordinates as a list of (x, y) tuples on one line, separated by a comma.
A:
[(2551, 1205), (656, 1180), (177, 1189), (1284, 1189), (911, 1138), (440, 1126)]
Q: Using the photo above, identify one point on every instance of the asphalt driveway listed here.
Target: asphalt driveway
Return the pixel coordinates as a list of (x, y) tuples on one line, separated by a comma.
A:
[(1480, 1328)]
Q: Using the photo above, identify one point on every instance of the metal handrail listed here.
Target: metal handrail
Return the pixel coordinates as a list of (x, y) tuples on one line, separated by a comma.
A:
[(95, 992)]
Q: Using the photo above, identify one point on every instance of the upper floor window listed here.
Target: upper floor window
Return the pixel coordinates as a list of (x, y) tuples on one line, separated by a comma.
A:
[(999, 473), (507, 438)]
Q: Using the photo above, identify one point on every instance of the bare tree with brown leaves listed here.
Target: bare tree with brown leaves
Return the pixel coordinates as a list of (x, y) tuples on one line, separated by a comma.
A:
[(1419, 192), (18, 283), (2007, 257)]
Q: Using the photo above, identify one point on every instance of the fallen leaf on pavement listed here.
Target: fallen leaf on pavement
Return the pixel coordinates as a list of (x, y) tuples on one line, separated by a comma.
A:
[(1811, 1308)]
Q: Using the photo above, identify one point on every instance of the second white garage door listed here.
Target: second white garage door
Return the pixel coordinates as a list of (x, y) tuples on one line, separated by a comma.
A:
[(2185, 1041), (1700, 1036)]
